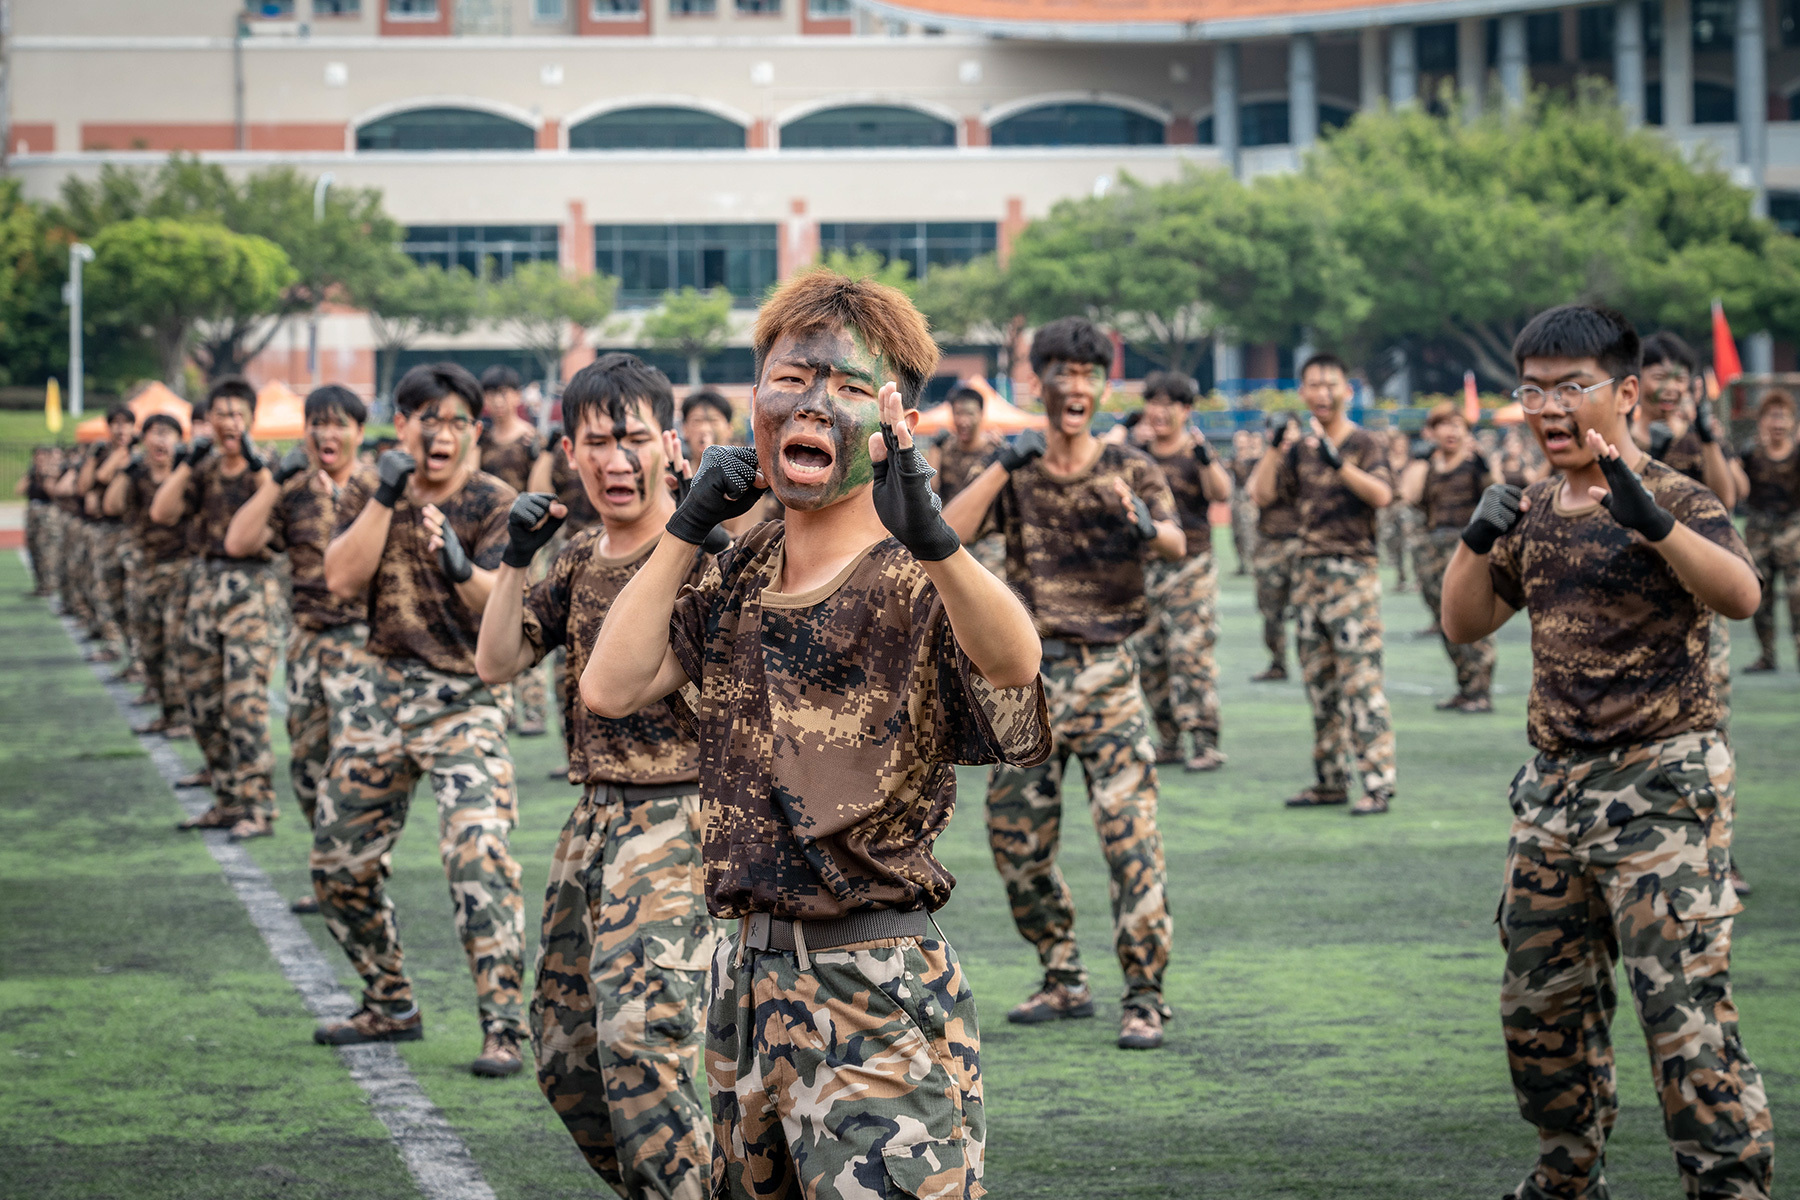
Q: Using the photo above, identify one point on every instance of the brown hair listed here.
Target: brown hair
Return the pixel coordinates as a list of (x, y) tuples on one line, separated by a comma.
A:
[(886, 319), (1775, 398), (1444, 411)]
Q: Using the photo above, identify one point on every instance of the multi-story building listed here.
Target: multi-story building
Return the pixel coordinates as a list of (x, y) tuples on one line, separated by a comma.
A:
[(726, 142)]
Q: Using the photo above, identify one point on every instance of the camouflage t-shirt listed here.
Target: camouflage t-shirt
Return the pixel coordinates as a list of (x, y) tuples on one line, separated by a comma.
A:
[(1333, 519), (212, 500), (1279, 521), (158, 543), (1183, 475), (566, 483), (830, 725), (1072, 550), (567, 608), (511, 462), (957, 467), (1618, 643), (303, 522), (1450, 497), (413, 610), (1774, 483), (1687, 454)]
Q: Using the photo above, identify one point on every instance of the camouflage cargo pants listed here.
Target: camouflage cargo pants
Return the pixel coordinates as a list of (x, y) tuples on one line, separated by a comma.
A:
[(75, 574), (227, 656), (858, 1078), (1243, 529), (1718, 667), (1338, 601), (402, 720), (1473, 663), (1096, 714), (990, 552), (1775, 548), (106, 564), (618, 1012), (1273, 566), (161, 591), (317, 659), (39, 526), (1391, 528), (51, 548), (1624, 855), (1174, 649), (530, 700), (133, 559)]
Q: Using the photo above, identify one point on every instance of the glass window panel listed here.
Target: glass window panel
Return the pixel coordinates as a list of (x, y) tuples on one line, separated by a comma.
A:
[(1078, 125), (1435, 47), (604, 9), (922, 244), (543, 10), (1715, 24), (269, 9), (1543, 38), (693, 8), (1788, 19), (1714, 103), (829, 10), (759, 8), (1784, 210), (866, 125), (657, 129), (1651, 20), (418, 10), (474, 246), (1596, 30), (1264, 123), (337, 8), (423, 129), (650, 259)]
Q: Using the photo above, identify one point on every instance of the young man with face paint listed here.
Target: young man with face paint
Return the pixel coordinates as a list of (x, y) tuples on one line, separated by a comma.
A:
[(1338, 475), (845, 660), (510, 449), (1081, 517), (1772, 530), (162, 558), (294, 509), (618, 1010), (421, 539), (227, 649), (1174, 649), (1622, 822)]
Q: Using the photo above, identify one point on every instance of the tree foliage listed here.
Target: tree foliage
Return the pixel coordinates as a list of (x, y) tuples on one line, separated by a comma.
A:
[(32, 270), (406, 301), (691, 323), (547, 314), (864, 263)]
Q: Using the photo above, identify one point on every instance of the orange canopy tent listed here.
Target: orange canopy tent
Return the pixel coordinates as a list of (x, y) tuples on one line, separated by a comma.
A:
[(998, 414), (152, 399), (280, 413), (1509, 414)]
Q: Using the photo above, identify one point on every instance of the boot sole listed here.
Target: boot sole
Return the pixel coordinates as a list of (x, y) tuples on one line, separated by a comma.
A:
[(1045, 1016), (325, 1038), (479, 1067)]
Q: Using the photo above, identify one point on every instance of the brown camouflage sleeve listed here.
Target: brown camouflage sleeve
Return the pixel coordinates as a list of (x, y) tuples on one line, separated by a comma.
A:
[(351, 501), (1371, 457), (546, 607), (978, 723), (1700, 510), (491, 543), (1503, 567), (1148, 481)]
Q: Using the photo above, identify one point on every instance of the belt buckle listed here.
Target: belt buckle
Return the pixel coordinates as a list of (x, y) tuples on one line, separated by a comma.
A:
[(757, 929)]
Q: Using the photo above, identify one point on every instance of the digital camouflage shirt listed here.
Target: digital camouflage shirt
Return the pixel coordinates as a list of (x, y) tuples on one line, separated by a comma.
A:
[(1333, 519), (957, 467), (830, 725), (1182, 473), (1450, 497), (1072, 550), (1618, 643), (413, 610), (157, 543), (567, 608), (1279, 521), (212, 500), (1774, 483), (566, 483), (1687, 454), (511, 462), (303, 522)]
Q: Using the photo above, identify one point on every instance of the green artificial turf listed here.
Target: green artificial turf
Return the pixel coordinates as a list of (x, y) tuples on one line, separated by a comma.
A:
[(1335, 981)]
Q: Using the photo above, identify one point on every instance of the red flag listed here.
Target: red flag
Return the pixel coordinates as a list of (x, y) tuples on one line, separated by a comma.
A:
[(1471, 400), (1725, 356)]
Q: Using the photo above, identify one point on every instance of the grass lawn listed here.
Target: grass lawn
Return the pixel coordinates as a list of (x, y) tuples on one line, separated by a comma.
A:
[(1335, 981)]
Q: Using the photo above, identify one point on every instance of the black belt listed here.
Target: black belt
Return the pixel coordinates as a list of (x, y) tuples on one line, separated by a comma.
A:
[(765, 932), (633, 793), (221, 560)]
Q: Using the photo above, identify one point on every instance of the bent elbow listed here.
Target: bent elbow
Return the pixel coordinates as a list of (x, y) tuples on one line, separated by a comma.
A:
[(603, 702), (1743, 604)]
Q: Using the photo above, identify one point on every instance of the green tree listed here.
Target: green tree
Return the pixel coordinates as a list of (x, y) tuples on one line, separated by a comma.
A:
[(691, 323), (32, 269), (165, 277), (972, 303), (864, 263), (547, 314), (407, 301)]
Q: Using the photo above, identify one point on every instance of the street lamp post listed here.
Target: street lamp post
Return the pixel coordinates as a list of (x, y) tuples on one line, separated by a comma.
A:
[(321, 186), (78, 254)]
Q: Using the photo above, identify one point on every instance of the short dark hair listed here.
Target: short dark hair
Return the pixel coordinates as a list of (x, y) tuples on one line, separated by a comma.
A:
[(1581, 331), (335, 398), (1172, 385), (120, 412), (1070, 340), (1324, 360), (428, 383), (1775, 400), (500, 379), (155, 419), (1667, 347), (706, 398), (613, 384), (965, 394), (232, 387)]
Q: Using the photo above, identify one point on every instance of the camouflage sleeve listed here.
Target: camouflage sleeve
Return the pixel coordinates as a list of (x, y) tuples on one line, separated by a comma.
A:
[(491, 536), (279, 513), (195, 495), (978, 723), (687, 627), (1701, 511), (351, 501), (1148, 482), (546, 609), (1503, 567), (1371, 457)]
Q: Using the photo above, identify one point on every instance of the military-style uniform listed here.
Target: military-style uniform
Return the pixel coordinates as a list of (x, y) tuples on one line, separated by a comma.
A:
[(1772, 532), (40, 530), (227, 651), (1337, 596), (830, 725), (76, 578), (618, 1010), (1620, 845), (106, 566), (159, 606), (1076, 560), (1243, 512), (1277, 552), (956, 470), (1687, 454), (419, 709), (1174, 649), (511, 463), (1448, 503)]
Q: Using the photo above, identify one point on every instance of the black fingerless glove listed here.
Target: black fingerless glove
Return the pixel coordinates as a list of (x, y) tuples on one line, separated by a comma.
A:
[(456, 565), (1422, 451), (1330, 453), (1705, 424), (256, 461), (1203, 451), (1142, 524), (198, 449), (1496, 512), (1661, 438), (723, 488), (1631, 504), (1022, 449), (907, 506), (394, 468), (529, 528), (291, 464)]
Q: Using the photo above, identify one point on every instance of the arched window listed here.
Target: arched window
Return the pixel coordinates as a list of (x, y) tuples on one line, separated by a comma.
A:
[(1265, 123), (419, 129), (1077, 125), (656, 128), (866, 125)]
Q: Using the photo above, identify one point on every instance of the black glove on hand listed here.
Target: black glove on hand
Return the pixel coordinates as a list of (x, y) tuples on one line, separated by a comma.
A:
[(1285, 434), (717, 542), (291, 464), (529, 528), (1705, 424), (1423, 451), (198, 449), (257, 462), (456, 565), (907, 506), (1661, 438), (394, 467), (1203, 451), (1631, 504), (724, 487), (1130, 420), (1330, 454), (1142, 524), (137, 466), (1021, 450), (1496, 512)]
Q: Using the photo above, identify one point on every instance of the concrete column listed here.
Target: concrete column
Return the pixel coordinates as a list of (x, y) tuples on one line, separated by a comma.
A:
[(1471, 65), (1515, 73), (1628, 60), (1228, 361), (1751, 71), (1759, 351), (1403, 66), (1225, 104), (1303, 92), (1678, 64), (1369, 73)]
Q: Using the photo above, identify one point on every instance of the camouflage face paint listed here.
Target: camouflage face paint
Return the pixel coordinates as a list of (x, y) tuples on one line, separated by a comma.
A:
[(1072, 383), (797, 405)]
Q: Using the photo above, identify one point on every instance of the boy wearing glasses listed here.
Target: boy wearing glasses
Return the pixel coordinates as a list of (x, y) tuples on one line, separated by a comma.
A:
[(421, 540), (1622, 823)]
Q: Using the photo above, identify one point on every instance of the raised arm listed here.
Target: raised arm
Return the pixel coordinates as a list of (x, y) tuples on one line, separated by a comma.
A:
[(1471, 607), (633, 664), (249, 530), (501, 650), (353, 556)]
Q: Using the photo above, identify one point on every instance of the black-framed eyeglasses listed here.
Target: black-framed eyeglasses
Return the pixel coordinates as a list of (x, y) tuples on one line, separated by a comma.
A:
[(1532, 398), (459, 423)]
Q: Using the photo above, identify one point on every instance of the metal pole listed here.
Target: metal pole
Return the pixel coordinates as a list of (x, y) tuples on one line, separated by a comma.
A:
[(321, 186), (239, 28), (78, 254), (5, 81)]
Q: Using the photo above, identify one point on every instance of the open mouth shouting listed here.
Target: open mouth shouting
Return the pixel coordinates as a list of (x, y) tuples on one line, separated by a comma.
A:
[(1558, 434), (808, 458)]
